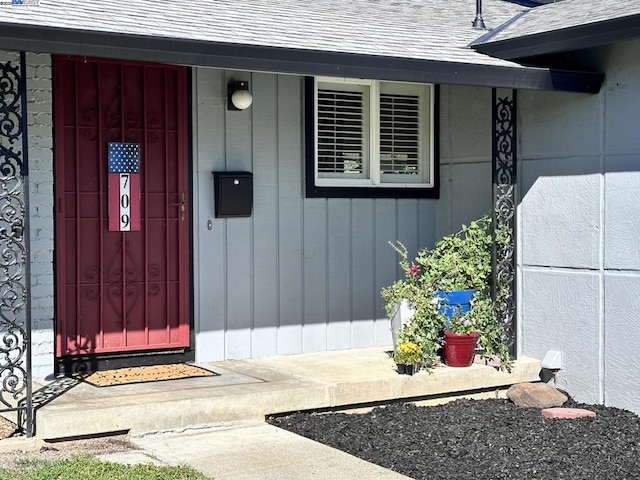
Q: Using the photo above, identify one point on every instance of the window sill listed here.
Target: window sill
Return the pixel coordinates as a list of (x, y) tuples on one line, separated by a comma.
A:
[(314, 191)]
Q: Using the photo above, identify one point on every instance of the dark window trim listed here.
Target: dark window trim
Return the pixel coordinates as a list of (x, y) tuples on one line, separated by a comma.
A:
[(313, 191)]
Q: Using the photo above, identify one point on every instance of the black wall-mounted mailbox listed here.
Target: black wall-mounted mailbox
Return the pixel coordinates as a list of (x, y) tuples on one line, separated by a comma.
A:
[(233, 194)]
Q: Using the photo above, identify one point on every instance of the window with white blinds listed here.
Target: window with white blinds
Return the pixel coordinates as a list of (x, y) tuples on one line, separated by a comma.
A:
[(371, 133), (341, 136), (399, 134)]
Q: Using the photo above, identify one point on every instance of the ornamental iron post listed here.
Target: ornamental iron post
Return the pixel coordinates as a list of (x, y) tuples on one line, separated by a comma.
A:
[(15, 311), (504, 114)]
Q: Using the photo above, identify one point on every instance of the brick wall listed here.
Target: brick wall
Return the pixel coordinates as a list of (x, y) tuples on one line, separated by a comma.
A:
[(40, 131)]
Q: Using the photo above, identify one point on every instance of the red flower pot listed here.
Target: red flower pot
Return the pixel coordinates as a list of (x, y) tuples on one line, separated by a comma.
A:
[(459, 348)]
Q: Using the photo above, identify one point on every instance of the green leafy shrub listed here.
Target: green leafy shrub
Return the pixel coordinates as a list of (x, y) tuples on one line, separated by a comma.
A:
[(459, 261)]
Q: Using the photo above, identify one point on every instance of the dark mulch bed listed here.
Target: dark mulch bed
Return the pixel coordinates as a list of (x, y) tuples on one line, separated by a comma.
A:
[(482, 439)]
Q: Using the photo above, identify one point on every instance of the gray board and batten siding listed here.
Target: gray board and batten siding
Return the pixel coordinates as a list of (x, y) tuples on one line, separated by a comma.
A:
[(301, 274)]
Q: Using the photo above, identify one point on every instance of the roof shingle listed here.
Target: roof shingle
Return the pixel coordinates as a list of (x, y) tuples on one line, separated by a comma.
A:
[(564, 15), (437, 30)]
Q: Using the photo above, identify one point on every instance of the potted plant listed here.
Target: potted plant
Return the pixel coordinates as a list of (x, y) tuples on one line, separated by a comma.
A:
[(460, 338), (408, 357), (459, 265), (458, 262), (421, 321)]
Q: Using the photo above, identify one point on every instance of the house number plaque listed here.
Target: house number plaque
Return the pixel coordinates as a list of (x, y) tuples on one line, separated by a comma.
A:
[(124, 186)]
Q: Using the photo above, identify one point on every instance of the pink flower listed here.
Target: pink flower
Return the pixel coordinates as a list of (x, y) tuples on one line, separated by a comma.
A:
[(414, 270)]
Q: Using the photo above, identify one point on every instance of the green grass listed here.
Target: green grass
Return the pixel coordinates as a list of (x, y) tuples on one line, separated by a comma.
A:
[(84, 467)]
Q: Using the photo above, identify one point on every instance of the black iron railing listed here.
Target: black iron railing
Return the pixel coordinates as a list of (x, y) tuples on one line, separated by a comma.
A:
[(504, 107), (15, 318)]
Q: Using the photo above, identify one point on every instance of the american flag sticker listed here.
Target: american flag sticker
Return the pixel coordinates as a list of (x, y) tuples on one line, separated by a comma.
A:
[(124, 186)]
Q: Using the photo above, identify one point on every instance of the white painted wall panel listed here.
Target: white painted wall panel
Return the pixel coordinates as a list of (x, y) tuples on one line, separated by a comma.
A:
[(445, 120), (466, 195), (579, 202), (316, 280), (622, 330), (621, 90), (427, 217), (239, 251), (561, 212), (340, 273), (622, 210), (385, 266), (210, 313), (465, 143), (469, 133), (290, 209), (558, 125), (445, 203), (407, 223), (561, 312), (471, 193), (362, 279), (265, 208)]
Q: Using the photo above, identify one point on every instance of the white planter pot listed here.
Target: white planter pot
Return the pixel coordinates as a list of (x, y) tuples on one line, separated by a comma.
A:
[(402, 315)]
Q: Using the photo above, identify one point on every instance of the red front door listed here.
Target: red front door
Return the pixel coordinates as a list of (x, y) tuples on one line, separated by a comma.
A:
[(120, 291)]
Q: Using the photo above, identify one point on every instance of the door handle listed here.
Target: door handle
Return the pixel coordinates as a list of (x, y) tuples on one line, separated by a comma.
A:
[(181, 204)]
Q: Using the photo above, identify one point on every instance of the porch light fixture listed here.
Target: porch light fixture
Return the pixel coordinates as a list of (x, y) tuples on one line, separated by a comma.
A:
[(238, 96)]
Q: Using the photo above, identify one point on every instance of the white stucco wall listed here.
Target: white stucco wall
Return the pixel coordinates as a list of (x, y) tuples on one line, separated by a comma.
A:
[(579, 261)]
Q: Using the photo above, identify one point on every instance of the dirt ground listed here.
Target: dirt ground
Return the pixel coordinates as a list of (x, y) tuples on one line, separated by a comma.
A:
[(58, 450)]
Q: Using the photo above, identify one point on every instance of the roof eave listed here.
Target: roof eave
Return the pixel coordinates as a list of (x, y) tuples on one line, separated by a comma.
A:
[(565, 40), (288, 60)]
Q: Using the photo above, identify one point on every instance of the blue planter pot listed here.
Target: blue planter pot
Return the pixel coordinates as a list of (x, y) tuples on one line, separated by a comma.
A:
[(455, 301)]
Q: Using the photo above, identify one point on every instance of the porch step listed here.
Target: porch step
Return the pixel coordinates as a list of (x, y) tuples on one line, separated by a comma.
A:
[(252, 389)]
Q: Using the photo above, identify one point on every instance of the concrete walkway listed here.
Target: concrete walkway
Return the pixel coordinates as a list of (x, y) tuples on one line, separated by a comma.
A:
[(251, 451), (216, 424), (251, 389)]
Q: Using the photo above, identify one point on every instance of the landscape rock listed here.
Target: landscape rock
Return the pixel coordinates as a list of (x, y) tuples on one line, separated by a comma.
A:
[(535, 395), (567, 413)]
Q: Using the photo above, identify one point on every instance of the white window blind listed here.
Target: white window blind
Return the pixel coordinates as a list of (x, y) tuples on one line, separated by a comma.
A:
[(399, 134), (373, 134), (341, 136)]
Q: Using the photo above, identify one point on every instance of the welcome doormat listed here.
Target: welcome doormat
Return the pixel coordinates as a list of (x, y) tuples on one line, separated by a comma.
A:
[(153, 373)]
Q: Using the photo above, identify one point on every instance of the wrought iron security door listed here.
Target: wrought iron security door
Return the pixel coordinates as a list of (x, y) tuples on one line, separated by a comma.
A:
[(120, 291), (15, 319)]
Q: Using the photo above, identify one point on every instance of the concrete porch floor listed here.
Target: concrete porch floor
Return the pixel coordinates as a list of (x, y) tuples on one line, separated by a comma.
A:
[(251, 389)]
